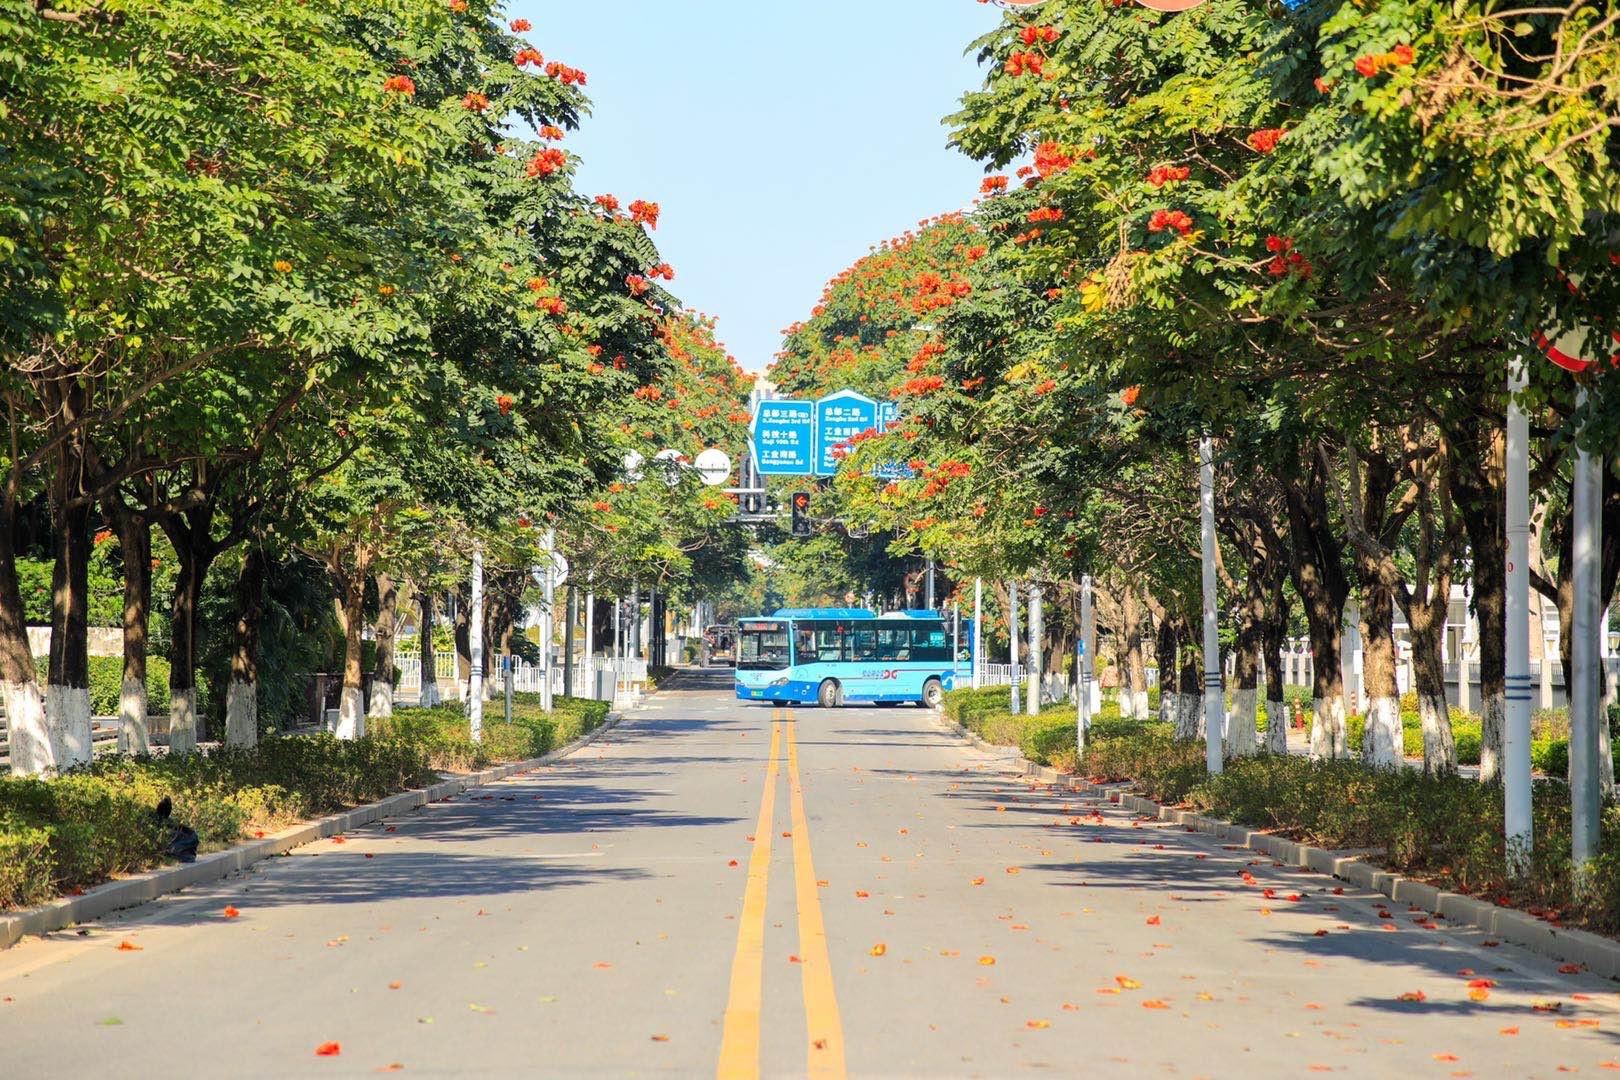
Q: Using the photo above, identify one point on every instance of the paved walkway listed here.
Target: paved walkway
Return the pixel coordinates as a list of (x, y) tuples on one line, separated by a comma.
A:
[(716, 886)]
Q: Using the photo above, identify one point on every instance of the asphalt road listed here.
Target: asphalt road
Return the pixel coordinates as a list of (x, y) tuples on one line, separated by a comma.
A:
[(719, 888)]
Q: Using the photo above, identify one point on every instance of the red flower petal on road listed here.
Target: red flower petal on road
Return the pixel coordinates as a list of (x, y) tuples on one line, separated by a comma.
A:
[(1153, 920), (230, 912), (126, 946), (329, 1049)]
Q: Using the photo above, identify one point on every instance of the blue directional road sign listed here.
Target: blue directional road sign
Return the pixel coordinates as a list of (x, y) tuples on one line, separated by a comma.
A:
[(784, 438), (839, 417)]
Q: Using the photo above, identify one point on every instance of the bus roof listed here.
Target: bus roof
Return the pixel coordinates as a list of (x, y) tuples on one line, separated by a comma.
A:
[(843, 613)]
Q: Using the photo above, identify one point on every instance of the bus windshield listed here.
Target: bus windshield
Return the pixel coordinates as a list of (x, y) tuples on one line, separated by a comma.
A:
[(762, 646)]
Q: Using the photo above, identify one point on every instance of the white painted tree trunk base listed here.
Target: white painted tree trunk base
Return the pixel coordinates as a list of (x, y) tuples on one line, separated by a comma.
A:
[(430, 697), (1382, 744), (1439, 747), (133, 734), (31, 751), (382, 700), (1277, 721), (1242, 738), (67, 722), (1168, 709), (1492, 727), (351, 723), (1328, 739), (183, 721), (1139, 704), (242, 714)]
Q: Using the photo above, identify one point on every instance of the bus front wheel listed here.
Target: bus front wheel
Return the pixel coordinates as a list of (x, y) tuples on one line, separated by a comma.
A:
[(831, 695), (932, 694)]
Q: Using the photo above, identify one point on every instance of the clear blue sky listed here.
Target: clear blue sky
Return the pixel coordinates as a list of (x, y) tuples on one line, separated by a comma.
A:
[(781, 138)]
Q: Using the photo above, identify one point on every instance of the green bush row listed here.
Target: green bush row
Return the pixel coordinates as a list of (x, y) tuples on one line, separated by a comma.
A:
[(1447, 829), (83, 827)]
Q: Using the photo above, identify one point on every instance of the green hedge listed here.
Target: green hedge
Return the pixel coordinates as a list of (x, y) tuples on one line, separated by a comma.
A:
[(81, 828), (1447, 830), (1047, 739)]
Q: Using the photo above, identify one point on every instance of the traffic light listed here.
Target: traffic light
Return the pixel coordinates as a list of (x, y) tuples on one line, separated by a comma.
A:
[(800, 504)]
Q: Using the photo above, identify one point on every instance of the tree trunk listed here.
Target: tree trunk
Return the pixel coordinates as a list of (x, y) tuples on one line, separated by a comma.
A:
[(1481, 497), (1383, 742), (429, 695), (352, 599), (1427, 620), (67, 679), (242, 697), (32, 751), (382, 680), (1165, 656), (1273, 631), (135, 541), (1316, 558), (463, 652), (1242, 735), (1189, 681), (183, 733), (1133, 682)]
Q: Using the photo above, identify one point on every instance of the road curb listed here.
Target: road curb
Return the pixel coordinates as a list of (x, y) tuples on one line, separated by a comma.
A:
[(1597, 954), (146, 887)]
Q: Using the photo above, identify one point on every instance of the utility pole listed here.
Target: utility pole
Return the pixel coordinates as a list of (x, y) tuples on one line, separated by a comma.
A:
[(1082, 670), (978, 634), (1585, 697), (1037, 629), (930, 599), (1012, 642), (475, 648), (570, 615), (1214, 694), (1515, 763)]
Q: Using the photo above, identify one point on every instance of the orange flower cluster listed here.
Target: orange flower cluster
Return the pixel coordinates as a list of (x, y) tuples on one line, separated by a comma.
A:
[(645, 213), (1034, 35), (1050, 158), (528, 56), (649, 393), (547, 162), (993, 184), (399, 84), (940, 479), (1046, 387), (662, 270), (1170, 219), (609, 203), (564, 74), (550, 131), (1371, 64), (638, 284), (1167, 174), (602, 507), (552, 305), (1020, 63), (976, 252), (1286, 260), (503, 402), (924, 356), (925, 384), (520, 26), (1129, 395), (1264, 141), (1045, 213), (475, 101)]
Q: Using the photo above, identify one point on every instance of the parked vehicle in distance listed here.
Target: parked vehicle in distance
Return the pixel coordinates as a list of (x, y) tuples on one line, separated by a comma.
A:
[(720, 641), (831, 656)]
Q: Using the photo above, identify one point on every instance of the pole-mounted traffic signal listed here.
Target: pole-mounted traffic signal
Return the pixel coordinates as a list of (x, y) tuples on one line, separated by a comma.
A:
[(799, 501)]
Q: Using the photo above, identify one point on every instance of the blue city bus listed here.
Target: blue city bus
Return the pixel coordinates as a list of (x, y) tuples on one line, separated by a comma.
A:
[(835, 655)]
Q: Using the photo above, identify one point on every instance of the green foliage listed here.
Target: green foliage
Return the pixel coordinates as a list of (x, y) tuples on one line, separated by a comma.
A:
[(1447, 830)]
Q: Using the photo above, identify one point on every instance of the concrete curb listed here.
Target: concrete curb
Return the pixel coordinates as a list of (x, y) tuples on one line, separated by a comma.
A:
[(1597, 954), (144, 888)]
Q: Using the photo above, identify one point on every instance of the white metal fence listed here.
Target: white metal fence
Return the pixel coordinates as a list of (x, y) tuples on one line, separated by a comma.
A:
[(595, 677)]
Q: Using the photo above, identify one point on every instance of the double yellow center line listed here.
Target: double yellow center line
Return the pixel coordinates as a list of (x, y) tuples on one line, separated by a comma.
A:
[(824, 1032)]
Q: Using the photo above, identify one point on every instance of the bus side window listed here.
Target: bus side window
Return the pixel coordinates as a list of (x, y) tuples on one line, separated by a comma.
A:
[(929, 644), (894, 643), (863, 644)]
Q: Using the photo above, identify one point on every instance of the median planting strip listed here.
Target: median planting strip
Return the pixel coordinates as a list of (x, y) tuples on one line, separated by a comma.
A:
[(144, 887), (1595, 953)]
